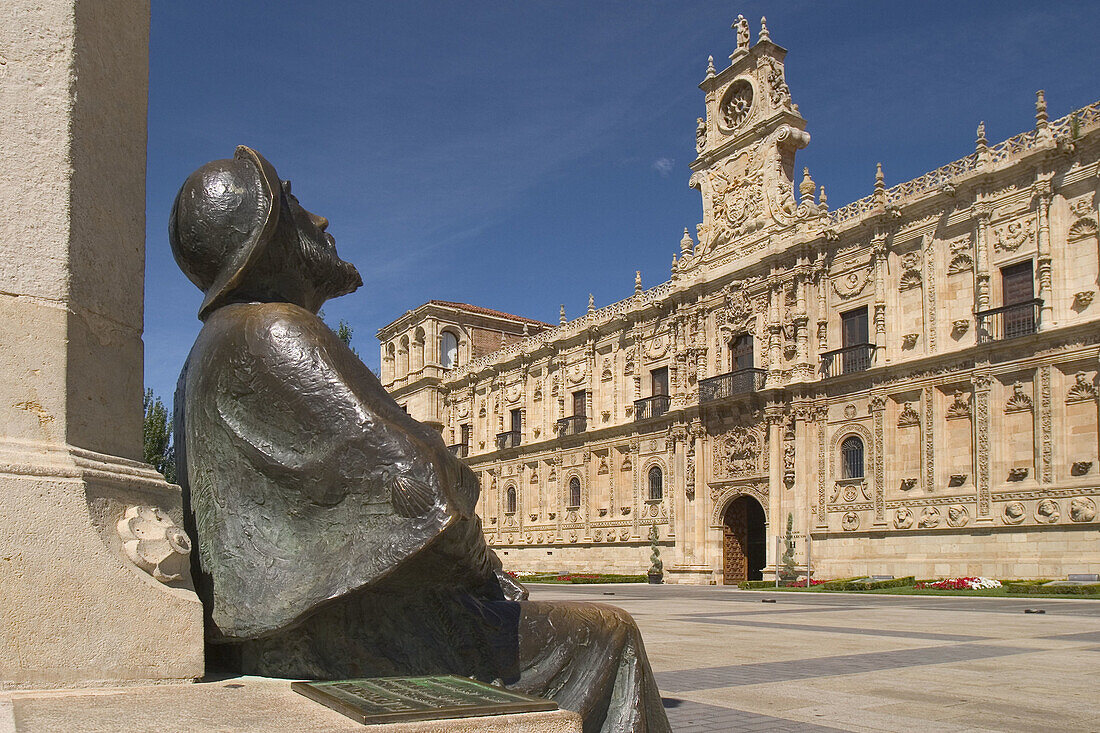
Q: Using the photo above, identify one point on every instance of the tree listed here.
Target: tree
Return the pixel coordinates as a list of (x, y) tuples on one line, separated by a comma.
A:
[(343, 331), (156, 434), (657, 567), (789, 571)]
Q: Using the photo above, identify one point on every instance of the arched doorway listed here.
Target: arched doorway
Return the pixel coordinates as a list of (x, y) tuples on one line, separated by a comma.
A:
[(744, 551)]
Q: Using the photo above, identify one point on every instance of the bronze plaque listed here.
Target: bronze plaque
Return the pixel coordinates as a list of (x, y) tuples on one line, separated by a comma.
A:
[(405, 699)]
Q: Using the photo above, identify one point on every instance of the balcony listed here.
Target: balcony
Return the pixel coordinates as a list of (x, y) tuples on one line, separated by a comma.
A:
[(572, 425), (848, 360), (654, 406), (509, 439), (732, 384), (462, 450), (1008, 321)]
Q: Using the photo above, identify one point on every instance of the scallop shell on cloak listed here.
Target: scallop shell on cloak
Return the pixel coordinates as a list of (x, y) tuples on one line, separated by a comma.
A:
[(410, 497)]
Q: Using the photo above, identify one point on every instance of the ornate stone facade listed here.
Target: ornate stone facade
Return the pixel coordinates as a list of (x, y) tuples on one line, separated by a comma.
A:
[(911, 376)]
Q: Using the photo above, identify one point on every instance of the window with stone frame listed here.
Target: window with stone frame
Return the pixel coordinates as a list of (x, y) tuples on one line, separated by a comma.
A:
[(510, 500), (574, 493), (851, 457), (656, 484)]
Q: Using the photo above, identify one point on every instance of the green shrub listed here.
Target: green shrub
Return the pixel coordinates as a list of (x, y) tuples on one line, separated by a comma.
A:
[(1072, 590), (756, 584), (854, 584), (600, 578)]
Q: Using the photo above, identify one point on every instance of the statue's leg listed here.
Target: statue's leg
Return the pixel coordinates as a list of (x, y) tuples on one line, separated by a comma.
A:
[(590, 658)]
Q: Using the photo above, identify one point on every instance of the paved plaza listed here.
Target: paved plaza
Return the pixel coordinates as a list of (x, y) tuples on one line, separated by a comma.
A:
[(726, 661)]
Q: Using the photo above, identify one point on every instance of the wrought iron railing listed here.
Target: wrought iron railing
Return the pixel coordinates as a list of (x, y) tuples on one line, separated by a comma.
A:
[(732, 384), (509, 439), (654, 406), (1008, 321), (572, 425), (848, 360), (462, 450)]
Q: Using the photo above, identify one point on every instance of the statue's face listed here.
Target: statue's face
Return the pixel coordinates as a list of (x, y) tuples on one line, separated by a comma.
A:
[(330, 275)]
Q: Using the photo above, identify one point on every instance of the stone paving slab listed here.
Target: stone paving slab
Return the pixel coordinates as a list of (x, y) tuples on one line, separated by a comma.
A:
[(907, 634), (863, 663)]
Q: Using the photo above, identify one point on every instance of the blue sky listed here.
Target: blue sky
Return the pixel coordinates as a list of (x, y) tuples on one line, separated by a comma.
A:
[(519, 155)]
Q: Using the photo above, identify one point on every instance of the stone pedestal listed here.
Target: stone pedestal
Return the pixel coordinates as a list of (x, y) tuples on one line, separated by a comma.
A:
[(74, 608)]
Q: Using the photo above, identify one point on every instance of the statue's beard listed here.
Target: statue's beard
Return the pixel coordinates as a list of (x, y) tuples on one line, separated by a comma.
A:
[(330, 274)]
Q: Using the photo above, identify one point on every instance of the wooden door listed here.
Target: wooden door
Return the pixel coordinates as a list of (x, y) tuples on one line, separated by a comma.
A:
[(735, 538)]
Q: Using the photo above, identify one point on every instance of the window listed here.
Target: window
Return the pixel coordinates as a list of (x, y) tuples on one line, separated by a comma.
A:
[(580, 403), (574, 492), (659, 381), (1017, 289), (851, 457), (656, 484), (510, 500), (853, 333), (741, 353), (448, 350), (464, 432), (517, 420)]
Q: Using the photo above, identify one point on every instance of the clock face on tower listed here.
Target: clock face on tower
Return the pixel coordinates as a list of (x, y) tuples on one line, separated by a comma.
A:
[(736, 104)]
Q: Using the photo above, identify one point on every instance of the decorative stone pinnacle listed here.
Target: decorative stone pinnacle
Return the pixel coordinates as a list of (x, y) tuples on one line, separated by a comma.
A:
[(686, 243), (674, 263), (591, 303), (981, 141), (823, 199), (637, 282), (764, 35), (1040, 108), (525, 330), (806, 188), (561, 315), (710, 67)]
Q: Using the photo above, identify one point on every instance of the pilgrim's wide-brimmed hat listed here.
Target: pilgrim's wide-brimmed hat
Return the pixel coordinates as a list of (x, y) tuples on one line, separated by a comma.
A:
[(223, 218)]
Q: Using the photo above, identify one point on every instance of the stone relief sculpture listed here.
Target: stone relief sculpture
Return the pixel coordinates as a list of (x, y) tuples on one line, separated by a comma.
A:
[(1048, 511), (1010, 237), (1082, 509), (336, 535), (154, 543), (1082, 389), (1014, 513)]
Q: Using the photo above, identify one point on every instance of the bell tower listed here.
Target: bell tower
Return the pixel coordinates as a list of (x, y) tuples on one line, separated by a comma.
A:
[(746, 146)]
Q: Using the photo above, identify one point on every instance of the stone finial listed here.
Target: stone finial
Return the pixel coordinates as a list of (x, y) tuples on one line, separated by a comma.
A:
[(807, 187), (674, 263), (591, 303), (561, 315), (526, 332), (823, 200), (710, 67), (880, 186), (637, 282), (686, 243), (764, 35), (981, 142), (1041, 109)]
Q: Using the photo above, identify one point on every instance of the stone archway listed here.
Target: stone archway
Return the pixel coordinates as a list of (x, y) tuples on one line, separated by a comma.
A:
[(744, 549)]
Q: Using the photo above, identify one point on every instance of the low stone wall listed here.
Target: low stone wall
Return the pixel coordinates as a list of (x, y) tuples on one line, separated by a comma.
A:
[(999, 552), (620, 559)]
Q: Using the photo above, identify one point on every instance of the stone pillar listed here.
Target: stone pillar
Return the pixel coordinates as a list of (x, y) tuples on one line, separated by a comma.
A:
[(76, 609), (1044, 192)]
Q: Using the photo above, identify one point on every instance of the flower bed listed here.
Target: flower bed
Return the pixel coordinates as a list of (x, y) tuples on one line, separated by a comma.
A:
[(527, 576), (968, 583)]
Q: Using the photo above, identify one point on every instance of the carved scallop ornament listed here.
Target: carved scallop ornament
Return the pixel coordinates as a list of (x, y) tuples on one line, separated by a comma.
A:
[(736, 104), (154, 543)]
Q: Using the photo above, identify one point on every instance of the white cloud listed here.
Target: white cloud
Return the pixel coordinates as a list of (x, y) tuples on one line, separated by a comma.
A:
[(663, 165)]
